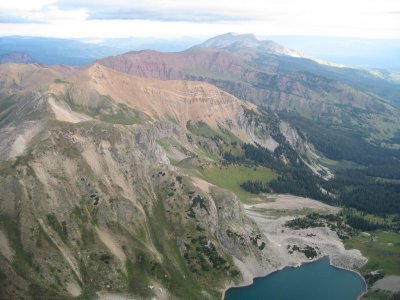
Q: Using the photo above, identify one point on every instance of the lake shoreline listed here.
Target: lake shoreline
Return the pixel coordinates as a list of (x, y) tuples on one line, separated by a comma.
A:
[(271, 215), (248, 283), (354, 271)]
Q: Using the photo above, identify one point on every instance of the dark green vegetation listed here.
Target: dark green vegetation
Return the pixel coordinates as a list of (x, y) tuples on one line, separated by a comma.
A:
[(314, 220), (369, 222), (343, 144), (202, 256), (255, 187), (334, 222), (365, 193), (60, 228), (363, 224), (308, 251), (293, 178), (368, 187)]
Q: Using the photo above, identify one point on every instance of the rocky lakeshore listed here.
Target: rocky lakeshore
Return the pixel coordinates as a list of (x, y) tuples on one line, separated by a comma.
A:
[(287, 246)]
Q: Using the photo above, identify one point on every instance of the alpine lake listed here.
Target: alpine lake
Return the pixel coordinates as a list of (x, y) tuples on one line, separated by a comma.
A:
[(317, 280)]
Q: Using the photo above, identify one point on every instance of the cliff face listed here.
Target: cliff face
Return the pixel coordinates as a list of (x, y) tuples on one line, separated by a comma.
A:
[(179, 100), (97, 207), (90, 201), (176, 66)]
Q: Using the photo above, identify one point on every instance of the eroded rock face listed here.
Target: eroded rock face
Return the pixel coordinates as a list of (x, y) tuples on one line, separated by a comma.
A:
[(90, 204), (310, 158)]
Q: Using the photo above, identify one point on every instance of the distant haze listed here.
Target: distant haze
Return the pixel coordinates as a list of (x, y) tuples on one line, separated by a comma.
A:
[(365, 53), (371, 28)]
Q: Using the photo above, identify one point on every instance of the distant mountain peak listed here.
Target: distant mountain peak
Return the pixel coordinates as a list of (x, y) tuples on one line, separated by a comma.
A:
[(237, 36), (235, 42), (229, 40), (16, 58)]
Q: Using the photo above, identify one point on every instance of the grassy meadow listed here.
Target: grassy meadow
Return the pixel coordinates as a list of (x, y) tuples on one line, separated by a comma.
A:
[(382, 250), (231, 177)]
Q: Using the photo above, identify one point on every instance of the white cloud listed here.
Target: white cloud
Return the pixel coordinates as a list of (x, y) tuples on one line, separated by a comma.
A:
[(24, 5), (177, 18), (38, 11)]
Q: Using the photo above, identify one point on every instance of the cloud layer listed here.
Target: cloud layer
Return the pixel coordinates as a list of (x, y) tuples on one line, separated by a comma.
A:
[(177, 18)]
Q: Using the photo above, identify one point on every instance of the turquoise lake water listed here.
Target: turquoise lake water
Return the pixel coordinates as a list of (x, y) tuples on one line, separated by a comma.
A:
[(312, 281)]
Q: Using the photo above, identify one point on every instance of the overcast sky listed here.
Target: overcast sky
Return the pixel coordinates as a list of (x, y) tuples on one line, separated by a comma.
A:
[(199, 18)]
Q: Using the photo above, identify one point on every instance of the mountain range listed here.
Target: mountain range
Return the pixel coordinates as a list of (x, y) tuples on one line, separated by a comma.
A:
[(264, 73), (107, 170)]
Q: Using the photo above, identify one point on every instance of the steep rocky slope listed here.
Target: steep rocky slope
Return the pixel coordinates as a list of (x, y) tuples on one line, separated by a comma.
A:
[(90, 201), (94, 206)]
